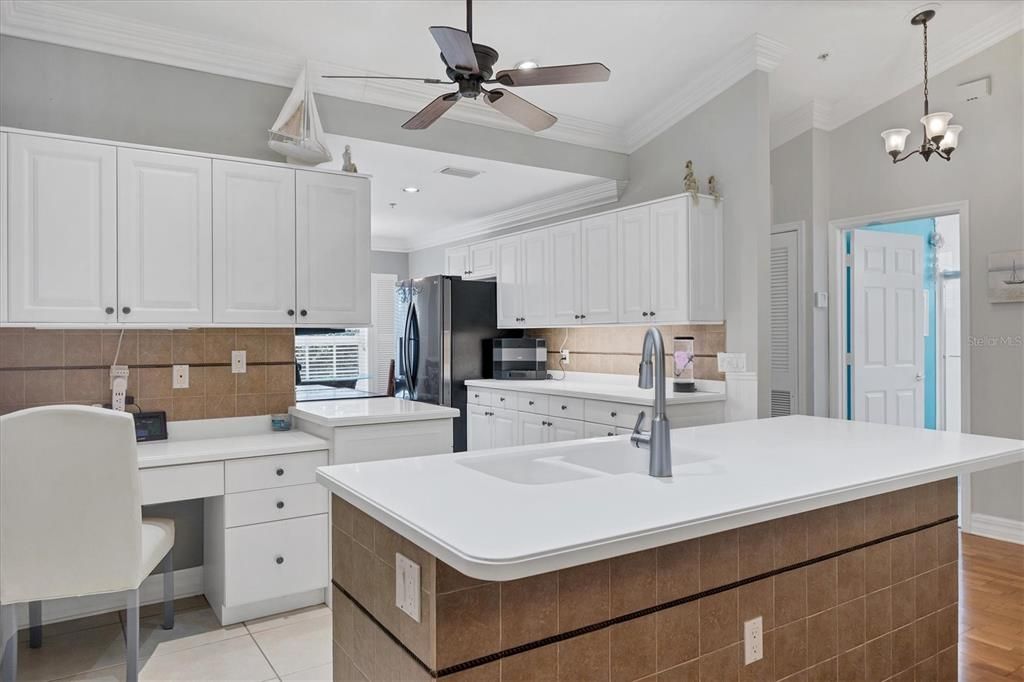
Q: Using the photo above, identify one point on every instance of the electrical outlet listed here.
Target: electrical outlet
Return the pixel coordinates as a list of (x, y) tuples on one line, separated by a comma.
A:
[(238, 362), (179, 374), (753, 641), (565, 356), (118, 386), (407, 586)]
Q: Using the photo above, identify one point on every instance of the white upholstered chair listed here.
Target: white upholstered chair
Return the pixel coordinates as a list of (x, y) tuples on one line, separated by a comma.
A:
[(70, 520)]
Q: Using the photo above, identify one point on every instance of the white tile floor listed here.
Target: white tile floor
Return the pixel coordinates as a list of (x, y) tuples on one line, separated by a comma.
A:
[(292, 646)]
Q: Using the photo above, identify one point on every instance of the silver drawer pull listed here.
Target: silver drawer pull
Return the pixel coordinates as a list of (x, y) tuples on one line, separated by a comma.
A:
[(279, 560)]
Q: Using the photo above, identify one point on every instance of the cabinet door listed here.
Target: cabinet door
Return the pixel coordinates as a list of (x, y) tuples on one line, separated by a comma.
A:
[(669, 261), (706, 263), (565, 429), (482, 263), (332, 242), (62, 230), (535, 268), (564, 274), (503, 428), (456, 261), (533, 429), (253, 243), (3, 227), (600, 269), (635, 264), (164, 237), (478, 427), (510, 282)]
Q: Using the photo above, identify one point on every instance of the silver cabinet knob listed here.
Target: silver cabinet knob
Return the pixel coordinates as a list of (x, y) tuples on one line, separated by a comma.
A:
[(109, 310), (280, 505), (279, 560), (126, 310), (279, 472)]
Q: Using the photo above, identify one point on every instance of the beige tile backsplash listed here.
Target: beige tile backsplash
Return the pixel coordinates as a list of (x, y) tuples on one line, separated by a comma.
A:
[(52, 366), (616, 350)]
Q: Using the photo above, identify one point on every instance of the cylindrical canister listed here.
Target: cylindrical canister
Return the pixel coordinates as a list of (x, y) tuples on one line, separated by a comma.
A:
[(682, 365)]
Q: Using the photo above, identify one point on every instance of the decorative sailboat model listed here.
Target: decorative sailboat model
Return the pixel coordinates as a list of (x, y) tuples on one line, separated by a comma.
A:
[(297, 132), (1015, 278)]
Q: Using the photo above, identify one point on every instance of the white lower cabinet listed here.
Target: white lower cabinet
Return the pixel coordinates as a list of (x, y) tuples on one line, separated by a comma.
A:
[(491, 427)]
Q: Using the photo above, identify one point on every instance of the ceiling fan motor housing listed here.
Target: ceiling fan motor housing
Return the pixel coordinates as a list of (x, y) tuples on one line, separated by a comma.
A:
[(469, 83)]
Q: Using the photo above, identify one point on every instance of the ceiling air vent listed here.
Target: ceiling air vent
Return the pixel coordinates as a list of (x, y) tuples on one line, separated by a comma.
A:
[(459, 172)]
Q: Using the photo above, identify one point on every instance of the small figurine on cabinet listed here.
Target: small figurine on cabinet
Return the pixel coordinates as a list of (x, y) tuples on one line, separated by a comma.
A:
[(690, 183), (347, 164), (713, 188)]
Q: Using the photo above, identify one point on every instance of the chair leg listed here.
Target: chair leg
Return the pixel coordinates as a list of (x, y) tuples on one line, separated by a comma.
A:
[(9, 642), (131, 633), (168, 568), (35, 624)]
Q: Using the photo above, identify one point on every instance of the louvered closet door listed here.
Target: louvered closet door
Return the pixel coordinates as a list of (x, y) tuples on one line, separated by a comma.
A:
[(783, 323), (382, 329)]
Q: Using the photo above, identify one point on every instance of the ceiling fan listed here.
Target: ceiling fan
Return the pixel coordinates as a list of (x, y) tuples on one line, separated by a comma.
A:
[(470, 66)]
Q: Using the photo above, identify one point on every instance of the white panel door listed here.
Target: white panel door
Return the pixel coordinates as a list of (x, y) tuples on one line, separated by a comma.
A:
[(164, 237), (533, 429), (482, 264), (478, 427), (332, 249), (706, 262), (887, 328), (783, 325), (536, 270), (456, 261), (253, 243), (634, 264), (503, 428), (564, 277), (669, 261), (62, 230), (599, 269), (3, 227), (565, 429), (510, 282)]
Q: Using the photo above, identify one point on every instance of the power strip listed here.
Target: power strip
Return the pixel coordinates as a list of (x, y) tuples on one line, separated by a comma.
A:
[(118, 386)]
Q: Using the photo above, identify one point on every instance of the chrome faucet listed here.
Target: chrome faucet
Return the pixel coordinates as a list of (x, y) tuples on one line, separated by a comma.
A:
[(659, 439)]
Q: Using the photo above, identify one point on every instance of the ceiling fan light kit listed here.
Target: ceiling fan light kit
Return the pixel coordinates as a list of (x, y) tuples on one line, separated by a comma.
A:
[(940, 138), (470, 66)]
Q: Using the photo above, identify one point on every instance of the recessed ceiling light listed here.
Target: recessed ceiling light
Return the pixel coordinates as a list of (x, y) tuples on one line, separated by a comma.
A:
[(411, 190), (527, 65)]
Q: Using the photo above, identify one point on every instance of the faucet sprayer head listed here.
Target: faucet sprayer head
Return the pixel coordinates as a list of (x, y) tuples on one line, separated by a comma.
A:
[(646, 374)]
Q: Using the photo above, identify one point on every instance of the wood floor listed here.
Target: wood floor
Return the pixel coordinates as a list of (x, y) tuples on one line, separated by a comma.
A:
[(991, 610)]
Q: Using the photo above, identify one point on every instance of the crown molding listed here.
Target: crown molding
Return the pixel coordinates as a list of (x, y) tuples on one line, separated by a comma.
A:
[(756, 53), (588, 196), (388, 243), (814, 114), (74, 26)]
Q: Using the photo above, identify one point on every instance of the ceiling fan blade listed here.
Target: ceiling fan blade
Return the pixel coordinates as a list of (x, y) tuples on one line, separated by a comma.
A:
[(518, 109), (554, 75), (433, 111), (431, 81), (457, 48)]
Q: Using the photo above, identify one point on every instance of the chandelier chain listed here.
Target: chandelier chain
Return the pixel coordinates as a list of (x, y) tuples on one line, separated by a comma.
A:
[(925, 27)]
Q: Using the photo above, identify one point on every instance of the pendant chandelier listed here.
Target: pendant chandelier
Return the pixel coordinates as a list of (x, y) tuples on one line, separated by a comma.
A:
[(940, 138)]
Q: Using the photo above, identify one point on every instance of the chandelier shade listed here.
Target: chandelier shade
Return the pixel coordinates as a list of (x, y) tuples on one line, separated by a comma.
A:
[(895, 140), (935, 124), (950, 139)]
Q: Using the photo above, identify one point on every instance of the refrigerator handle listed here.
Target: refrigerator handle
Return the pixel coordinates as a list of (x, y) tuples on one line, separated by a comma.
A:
[(411, 359)]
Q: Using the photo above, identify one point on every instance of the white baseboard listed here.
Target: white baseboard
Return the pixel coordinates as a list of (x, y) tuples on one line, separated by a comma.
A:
[(998, 528), (188, 582)]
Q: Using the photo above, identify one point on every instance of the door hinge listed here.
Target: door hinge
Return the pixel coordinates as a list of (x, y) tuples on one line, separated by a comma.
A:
[(848, 260), (849, 358)]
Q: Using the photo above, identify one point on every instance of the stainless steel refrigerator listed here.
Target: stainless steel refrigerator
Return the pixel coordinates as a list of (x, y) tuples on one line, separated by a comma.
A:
[(444, 326)]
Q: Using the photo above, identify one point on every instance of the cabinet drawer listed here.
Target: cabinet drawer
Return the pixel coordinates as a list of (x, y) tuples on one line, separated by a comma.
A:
[(570, 408), (478, 396), (275, 471), (274, 504), (614, 414), (598, 430), (503, 399), (533, 402), (275, 559), (185, 482)]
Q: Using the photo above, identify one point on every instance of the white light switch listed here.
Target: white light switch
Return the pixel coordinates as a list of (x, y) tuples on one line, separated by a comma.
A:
[(180, 376), (732, 362), (238, 362), (407, 586)]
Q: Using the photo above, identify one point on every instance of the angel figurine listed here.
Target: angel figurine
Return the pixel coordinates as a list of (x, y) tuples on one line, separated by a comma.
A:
[(713, 188), (346, 159), (690, 181)]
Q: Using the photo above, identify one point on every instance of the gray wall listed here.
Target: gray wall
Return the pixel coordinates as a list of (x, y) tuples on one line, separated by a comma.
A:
[(390, 262), (987, 172)]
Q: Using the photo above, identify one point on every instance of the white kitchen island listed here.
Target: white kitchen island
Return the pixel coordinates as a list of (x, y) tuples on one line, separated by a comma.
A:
[(569, 555)]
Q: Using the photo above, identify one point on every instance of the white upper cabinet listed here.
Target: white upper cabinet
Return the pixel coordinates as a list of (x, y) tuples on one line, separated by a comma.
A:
[(164, 238), (510, 282), (600, 269), (332, 238), (564, 274), (707, 262), (62, 231), (635, 264), (253, 243), (456, 261), (669, 257), (535, 273), (482, 261)]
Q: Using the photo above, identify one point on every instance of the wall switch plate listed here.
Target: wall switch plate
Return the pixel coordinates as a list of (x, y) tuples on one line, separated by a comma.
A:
[(238, 362), (407, 586), (732, 362), (179, 376), (565, 356), (753, 641)]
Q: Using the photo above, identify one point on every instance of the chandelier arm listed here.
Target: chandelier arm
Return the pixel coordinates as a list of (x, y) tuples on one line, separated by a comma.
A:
[(906, 156)]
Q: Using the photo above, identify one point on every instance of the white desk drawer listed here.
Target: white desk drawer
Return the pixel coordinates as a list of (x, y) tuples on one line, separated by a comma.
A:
[(598, 430), (275, 559), (503, 399), (534, 403), (274, 504), (478, 396), (615, 414), (257, 473), (183, 482), (569, 408)]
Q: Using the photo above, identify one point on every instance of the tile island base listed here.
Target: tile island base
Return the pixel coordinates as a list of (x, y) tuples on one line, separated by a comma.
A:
[(863, 590)]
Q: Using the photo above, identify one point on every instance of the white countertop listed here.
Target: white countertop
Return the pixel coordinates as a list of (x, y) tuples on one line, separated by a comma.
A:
[(369, 411), (516, 512), (597, 390), (194, 451)]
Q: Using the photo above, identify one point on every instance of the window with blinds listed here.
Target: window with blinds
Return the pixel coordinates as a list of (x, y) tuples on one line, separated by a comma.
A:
[(330, 357)]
